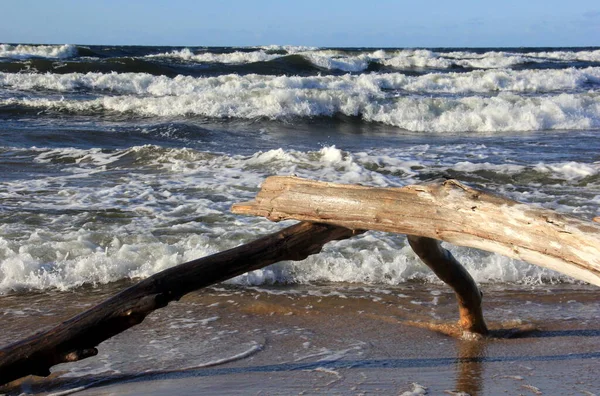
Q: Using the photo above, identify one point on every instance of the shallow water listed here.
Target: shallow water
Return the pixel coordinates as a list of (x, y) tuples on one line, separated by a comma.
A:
[(339, 338)]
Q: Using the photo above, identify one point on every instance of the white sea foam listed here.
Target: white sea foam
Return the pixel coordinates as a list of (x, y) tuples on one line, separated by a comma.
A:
[(585, 56), (504, 112), (416, 390), (500, 59), (382, 98), (292, 49), (490, 81), (23, 51), (380, 259), (237, 57), (401, 59), (569, 170), (565, 56), (328, 59), (467, 166), (155, 223), (347, 64), (421, 58)]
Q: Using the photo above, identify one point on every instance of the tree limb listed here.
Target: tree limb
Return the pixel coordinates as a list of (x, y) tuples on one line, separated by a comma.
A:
[(77, 338)]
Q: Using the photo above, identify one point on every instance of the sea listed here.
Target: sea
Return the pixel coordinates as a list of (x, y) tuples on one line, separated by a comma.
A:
[(117, 162)]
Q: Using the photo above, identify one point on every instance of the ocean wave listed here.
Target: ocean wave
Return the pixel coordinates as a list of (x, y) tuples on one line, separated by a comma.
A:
[(501, 59), (422, 58), (287, 60), (76, 258), (23, 51), (334, 60), (290, 49), (376, 167), (358, 61), (482, 82), (320, 59), (583, 56), (503, 112), (138, 224), (237, 57), (325, 59)]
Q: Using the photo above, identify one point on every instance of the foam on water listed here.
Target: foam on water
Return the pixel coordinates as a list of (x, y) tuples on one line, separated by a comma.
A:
[(237, 57), (504, 112), (347, 64), (502, 59), (571, 171), (421, 58), (357, 61), (134, 224), (386, 98), (480, 82), (23, 51), (289, 48), (590, 56), (326, 59)]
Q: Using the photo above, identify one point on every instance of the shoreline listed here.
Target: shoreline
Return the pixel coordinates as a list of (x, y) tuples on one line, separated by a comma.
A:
[(340, 339)]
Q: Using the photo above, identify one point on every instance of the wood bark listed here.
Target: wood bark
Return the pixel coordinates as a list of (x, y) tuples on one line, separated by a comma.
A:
[(449, 270), (78, 337), (447, 211)]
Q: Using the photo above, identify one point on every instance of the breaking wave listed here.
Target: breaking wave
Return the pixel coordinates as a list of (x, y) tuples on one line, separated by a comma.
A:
[(399, 59), (359, 61), (234, 99), (482, 82), (23, 51), (173, 223)]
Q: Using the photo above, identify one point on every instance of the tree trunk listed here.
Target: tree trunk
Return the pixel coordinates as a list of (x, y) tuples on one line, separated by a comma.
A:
[(78, 337), (447, 211)]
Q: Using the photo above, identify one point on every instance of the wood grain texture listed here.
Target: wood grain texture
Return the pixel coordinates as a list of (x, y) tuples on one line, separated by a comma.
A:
[(445, 210)]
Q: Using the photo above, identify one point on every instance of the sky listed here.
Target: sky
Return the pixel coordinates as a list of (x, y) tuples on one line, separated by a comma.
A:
[(323, 23)]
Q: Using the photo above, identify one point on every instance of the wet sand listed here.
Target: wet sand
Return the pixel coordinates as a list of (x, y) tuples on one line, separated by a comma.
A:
[(327, 339)]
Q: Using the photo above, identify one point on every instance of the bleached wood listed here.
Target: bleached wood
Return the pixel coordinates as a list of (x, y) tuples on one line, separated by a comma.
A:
[(445, 210)]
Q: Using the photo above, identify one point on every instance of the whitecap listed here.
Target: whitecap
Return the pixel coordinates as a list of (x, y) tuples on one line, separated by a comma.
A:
[(23, 51)]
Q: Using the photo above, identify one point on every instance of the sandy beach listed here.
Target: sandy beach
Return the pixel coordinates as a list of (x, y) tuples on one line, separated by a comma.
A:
[(327, 339)]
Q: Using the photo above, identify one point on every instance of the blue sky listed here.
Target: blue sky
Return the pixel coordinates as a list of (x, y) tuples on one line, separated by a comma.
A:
[(374, 23)]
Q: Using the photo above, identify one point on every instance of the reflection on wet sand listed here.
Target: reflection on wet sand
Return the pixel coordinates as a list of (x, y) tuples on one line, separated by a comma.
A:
[(470, 367)]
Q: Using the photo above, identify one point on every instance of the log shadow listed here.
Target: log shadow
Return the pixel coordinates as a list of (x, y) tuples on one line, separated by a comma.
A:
[(540, 333)]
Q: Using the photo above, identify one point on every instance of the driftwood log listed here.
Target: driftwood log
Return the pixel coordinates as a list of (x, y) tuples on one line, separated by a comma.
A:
[(77, 338), (442, 211), (446, 211)]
